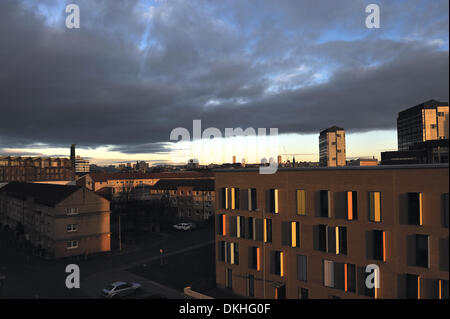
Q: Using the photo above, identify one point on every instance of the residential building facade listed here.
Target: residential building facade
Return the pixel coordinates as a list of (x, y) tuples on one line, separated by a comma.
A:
[(321, 232), (24, 169), (194, 199), (61, 220)]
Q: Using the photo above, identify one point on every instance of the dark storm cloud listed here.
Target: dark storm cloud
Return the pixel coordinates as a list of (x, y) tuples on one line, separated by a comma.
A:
[(295, 65)]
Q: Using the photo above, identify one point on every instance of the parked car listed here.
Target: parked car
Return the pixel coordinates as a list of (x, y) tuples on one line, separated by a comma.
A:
[(184, 226), (120, 289)]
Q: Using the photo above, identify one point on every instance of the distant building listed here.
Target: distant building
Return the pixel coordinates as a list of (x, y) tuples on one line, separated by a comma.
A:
[(363, 162), (59, 220), (429, 152), (24, 169), (423, 122), (332, 147), (193, 198), (423, 133), (81, 165), (121, 184), (234, 159)]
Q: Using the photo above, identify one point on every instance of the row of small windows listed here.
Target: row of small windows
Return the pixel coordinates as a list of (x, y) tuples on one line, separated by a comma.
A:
[(231, 199), (328, 239), (342, 276)]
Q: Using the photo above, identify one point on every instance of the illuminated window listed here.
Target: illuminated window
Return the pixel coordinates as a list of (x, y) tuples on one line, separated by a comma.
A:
[(375, 207), (273, 201), (379, 245), (352, 205), (295, 234), (301, 202)]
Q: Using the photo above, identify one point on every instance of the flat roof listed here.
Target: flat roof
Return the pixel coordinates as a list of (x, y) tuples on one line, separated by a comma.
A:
[(322, 168)]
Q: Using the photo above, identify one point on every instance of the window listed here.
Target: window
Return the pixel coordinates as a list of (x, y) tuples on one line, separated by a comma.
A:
[(278, 263), (254, 258), (422, 244), (234, 198), (251, 234), (224, 198), (322, 237), (350, 277), (443, 289), (325, 197), (415, 208), (251, 285), (71, 211), (71, 244), (232, 253), (379, 245), (328, 273), (301, 267), (375, 207), (295, 234), (273, 201), (341, 240), (412, 286), (72, 228), (303, 293), (301, 202), (352, 205), (267, 230), (252, 199), (222, 224), (240, 222)]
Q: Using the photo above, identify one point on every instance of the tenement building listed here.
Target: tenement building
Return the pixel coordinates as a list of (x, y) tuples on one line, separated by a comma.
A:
[(332, 147), (343, 232), (193, 198), (61, 220), (24, 169)]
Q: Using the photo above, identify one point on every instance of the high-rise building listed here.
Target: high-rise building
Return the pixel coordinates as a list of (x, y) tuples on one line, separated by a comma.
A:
[(332, 147), (320, 232), (423, 122)]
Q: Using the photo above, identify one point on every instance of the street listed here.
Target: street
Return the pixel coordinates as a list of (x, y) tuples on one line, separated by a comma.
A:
[(31, 277)]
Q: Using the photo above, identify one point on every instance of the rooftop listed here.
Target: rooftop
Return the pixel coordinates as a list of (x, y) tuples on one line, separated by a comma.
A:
[(103, 177), (340, 168), (332, 129), (47, 194), (430, 104), (196, 184)]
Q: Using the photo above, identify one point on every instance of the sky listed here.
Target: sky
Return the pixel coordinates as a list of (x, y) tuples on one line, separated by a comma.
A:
[(136, 70)]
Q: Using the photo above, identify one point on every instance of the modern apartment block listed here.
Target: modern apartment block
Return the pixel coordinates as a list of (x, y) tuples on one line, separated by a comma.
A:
[(423, 122), (61, 220), (332, 147), (314, 232), (24, 169)]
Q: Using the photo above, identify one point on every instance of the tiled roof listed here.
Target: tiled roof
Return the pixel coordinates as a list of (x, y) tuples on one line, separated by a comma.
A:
[(47, 194)]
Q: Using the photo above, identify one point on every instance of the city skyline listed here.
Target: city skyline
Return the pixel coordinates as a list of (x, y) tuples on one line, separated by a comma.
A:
[(255, 67)]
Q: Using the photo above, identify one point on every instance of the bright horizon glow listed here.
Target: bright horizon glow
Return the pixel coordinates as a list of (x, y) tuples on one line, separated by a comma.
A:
[(305, 147)]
